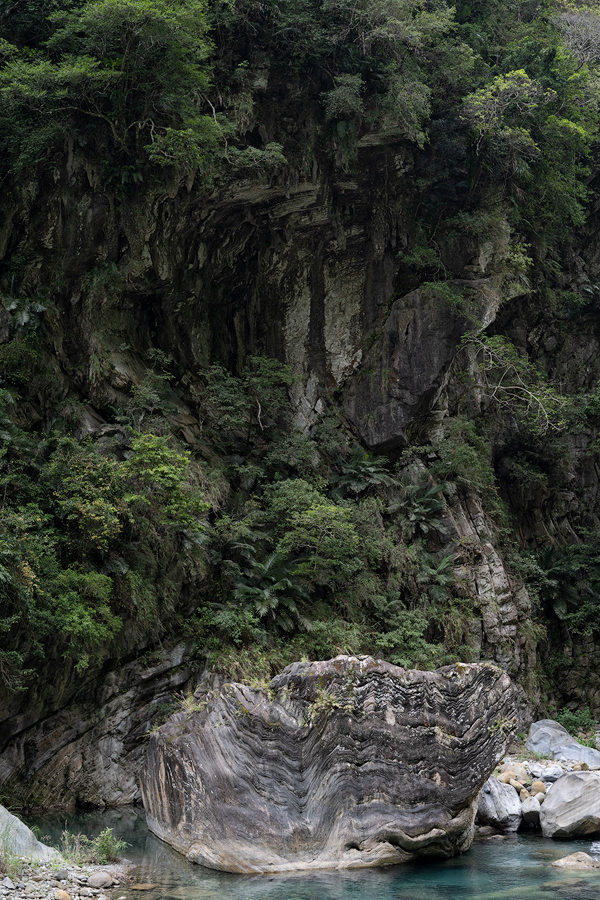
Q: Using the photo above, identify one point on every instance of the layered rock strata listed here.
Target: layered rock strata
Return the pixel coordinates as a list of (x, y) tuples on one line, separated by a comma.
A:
[(82, 741), (346, 763)]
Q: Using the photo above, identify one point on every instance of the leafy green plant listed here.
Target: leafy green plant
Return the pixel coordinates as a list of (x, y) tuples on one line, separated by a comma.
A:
[(325, 702), (239, 411), (270, 587), (365, 472), (577, 721), (80, 849), (421, 508), (323, 541), (134, 68)]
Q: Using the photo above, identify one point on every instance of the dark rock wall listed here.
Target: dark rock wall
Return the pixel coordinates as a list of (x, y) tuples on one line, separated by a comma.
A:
[(81, 739)]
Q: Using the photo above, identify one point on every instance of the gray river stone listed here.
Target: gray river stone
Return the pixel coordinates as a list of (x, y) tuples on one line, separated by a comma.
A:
[(546, 773), (531, 807), (499, 805), (16, 839), (346, 763), (549, 738), (572, 808)]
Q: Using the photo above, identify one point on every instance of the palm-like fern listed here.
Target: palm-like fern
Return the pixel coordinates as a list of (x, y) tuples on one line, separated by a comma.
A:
[(365, 472), (270, 587), (420, 506)]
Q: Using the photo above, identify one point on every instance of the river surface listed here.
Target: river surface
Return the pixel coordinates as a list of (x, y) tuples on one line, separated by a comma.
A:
[(515, 867)]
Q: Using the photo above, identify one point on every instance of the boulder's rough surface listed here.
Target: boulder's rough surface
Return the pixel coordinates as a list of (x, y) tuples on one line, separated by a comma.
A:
[(99, 880), (572, 808), (346, 763), (16, 839), (547, 773), (548, 738), (499, 805)]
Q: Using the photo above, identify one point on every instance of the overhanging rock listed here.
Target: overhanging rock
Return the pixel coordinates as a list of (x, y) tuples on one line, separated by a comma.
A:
[(340, 764)]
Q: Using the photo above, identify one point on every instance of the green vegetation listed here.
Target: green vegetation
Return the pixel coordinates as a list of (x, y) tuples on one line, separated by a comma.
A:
[(579, 723), (10, 862), (80, 849)]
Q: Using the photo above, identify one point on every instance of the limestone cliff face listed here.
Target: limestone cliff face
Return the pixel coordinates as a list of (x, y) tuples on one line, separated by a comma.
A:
[(340, 764), (307, 268), (81, 740), (304, 268)]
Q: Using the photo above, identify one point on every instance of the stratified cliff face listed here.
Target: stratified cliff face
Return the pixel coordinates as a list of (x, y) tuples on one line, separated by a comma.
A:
[(302, 271), (80, 739), (340, 764), (306, 269)]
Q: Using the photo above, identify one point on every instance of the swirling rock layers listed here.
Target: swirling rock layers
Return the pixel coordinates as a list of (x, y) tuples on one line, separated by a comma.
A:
[(346, 763)]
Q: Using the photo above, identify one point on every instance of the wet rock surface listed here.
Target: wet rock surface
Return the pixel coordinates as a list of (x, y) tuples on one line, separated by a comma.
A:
[(347, 763)]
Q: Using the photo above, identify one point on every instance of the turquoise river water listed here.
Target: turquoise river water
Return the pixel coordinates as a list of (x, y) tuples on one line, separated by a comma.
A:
[(509, 869)]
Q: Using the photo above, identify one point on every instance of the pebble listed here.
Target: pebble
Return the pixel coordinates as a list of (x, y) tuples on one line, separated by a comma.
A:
[(40, 881)]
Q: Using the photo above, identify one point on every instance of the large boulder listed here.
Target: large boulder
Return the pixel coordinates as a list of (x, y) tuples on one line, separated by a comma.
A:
[(346, 763), (499, 805), (16, 839), (549, 738), (572, 808)]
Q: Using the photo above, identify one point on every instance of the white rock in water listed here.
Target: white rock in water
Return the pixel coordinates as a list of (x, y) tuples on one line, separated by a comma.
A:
[(499, 805), (16, 839), (578, 860), (549, 738), (572, 808)]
